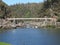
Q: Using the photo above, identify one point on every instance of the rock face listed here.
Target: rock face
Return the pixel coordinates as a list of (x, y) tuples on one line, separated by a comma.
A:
[(5, 23)]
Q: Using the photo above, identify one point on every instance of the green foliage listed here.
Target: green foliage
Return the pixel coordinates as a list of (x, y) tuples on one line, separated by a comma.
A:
[(4, 11), (51, 26), (27, 15), (30, 10), (1, 43), (58, 20), (54, 5), (26, 10)]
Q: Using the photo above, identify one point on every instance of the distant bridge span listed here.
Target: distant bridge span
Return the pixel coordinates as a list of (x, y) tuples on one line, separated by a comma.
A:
[(32, 21), (30, 18)]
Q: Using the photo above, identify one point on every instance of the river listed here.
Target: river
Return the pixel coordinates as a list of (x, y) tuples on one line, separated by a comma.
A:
[(31, 36)]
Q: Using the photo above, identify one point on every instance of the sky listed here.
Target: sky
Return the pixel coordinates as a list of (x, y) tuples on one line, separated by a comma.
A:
[(11, 2)]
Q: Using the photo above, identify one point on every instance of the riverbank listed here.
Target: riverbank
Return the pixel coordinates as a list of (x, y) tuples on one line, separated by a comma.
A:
[(47, 23), (4, 29), (2, 43), (26, 22), (45, 28)]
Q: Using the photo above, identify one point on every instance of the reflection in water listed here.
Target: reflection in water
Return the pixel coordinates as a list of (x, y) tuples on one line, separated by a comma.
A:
[(30, 36), (13, 31)]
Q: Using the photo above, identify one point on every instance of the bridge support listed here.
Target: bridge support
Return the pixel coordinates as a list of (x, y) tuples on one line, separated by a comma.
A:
[(34, 21)]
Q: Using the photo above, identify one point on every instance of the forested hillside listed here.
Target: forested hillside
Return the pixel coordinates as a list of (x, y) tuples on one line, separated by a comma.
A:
[(26, 10), (48, 8), (51, 8), (4, 10)]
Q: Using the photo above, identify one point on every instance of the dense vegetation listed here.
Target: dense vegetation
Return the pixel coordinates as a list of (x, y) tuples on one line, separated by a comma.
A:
[(4, 10), (52, 7), (49, 8), (26, 10)]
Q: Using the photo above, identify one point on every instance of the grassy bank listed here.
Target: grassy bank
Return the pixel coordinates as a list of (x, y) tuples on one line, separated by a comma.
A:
[(2, 43)]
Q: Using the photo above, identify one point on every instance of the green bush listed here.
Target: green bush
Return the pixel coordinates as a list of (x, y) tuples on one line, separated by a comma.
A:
[(58, 20), (50, 26)]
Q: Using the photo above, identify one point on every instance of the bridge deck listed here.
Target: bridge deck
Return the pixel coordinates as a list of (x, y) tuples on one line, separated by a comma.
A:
[(29, 18)]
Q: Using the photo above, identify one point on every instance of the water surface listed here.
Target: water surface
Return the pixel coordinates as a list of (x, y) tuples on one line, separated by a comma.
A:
[(30, 36)]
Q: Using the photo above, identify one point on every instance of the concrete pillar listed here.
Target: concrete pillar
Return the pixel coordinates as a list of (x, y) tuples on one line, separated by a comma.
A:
[(14, 22), (45, 21)]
